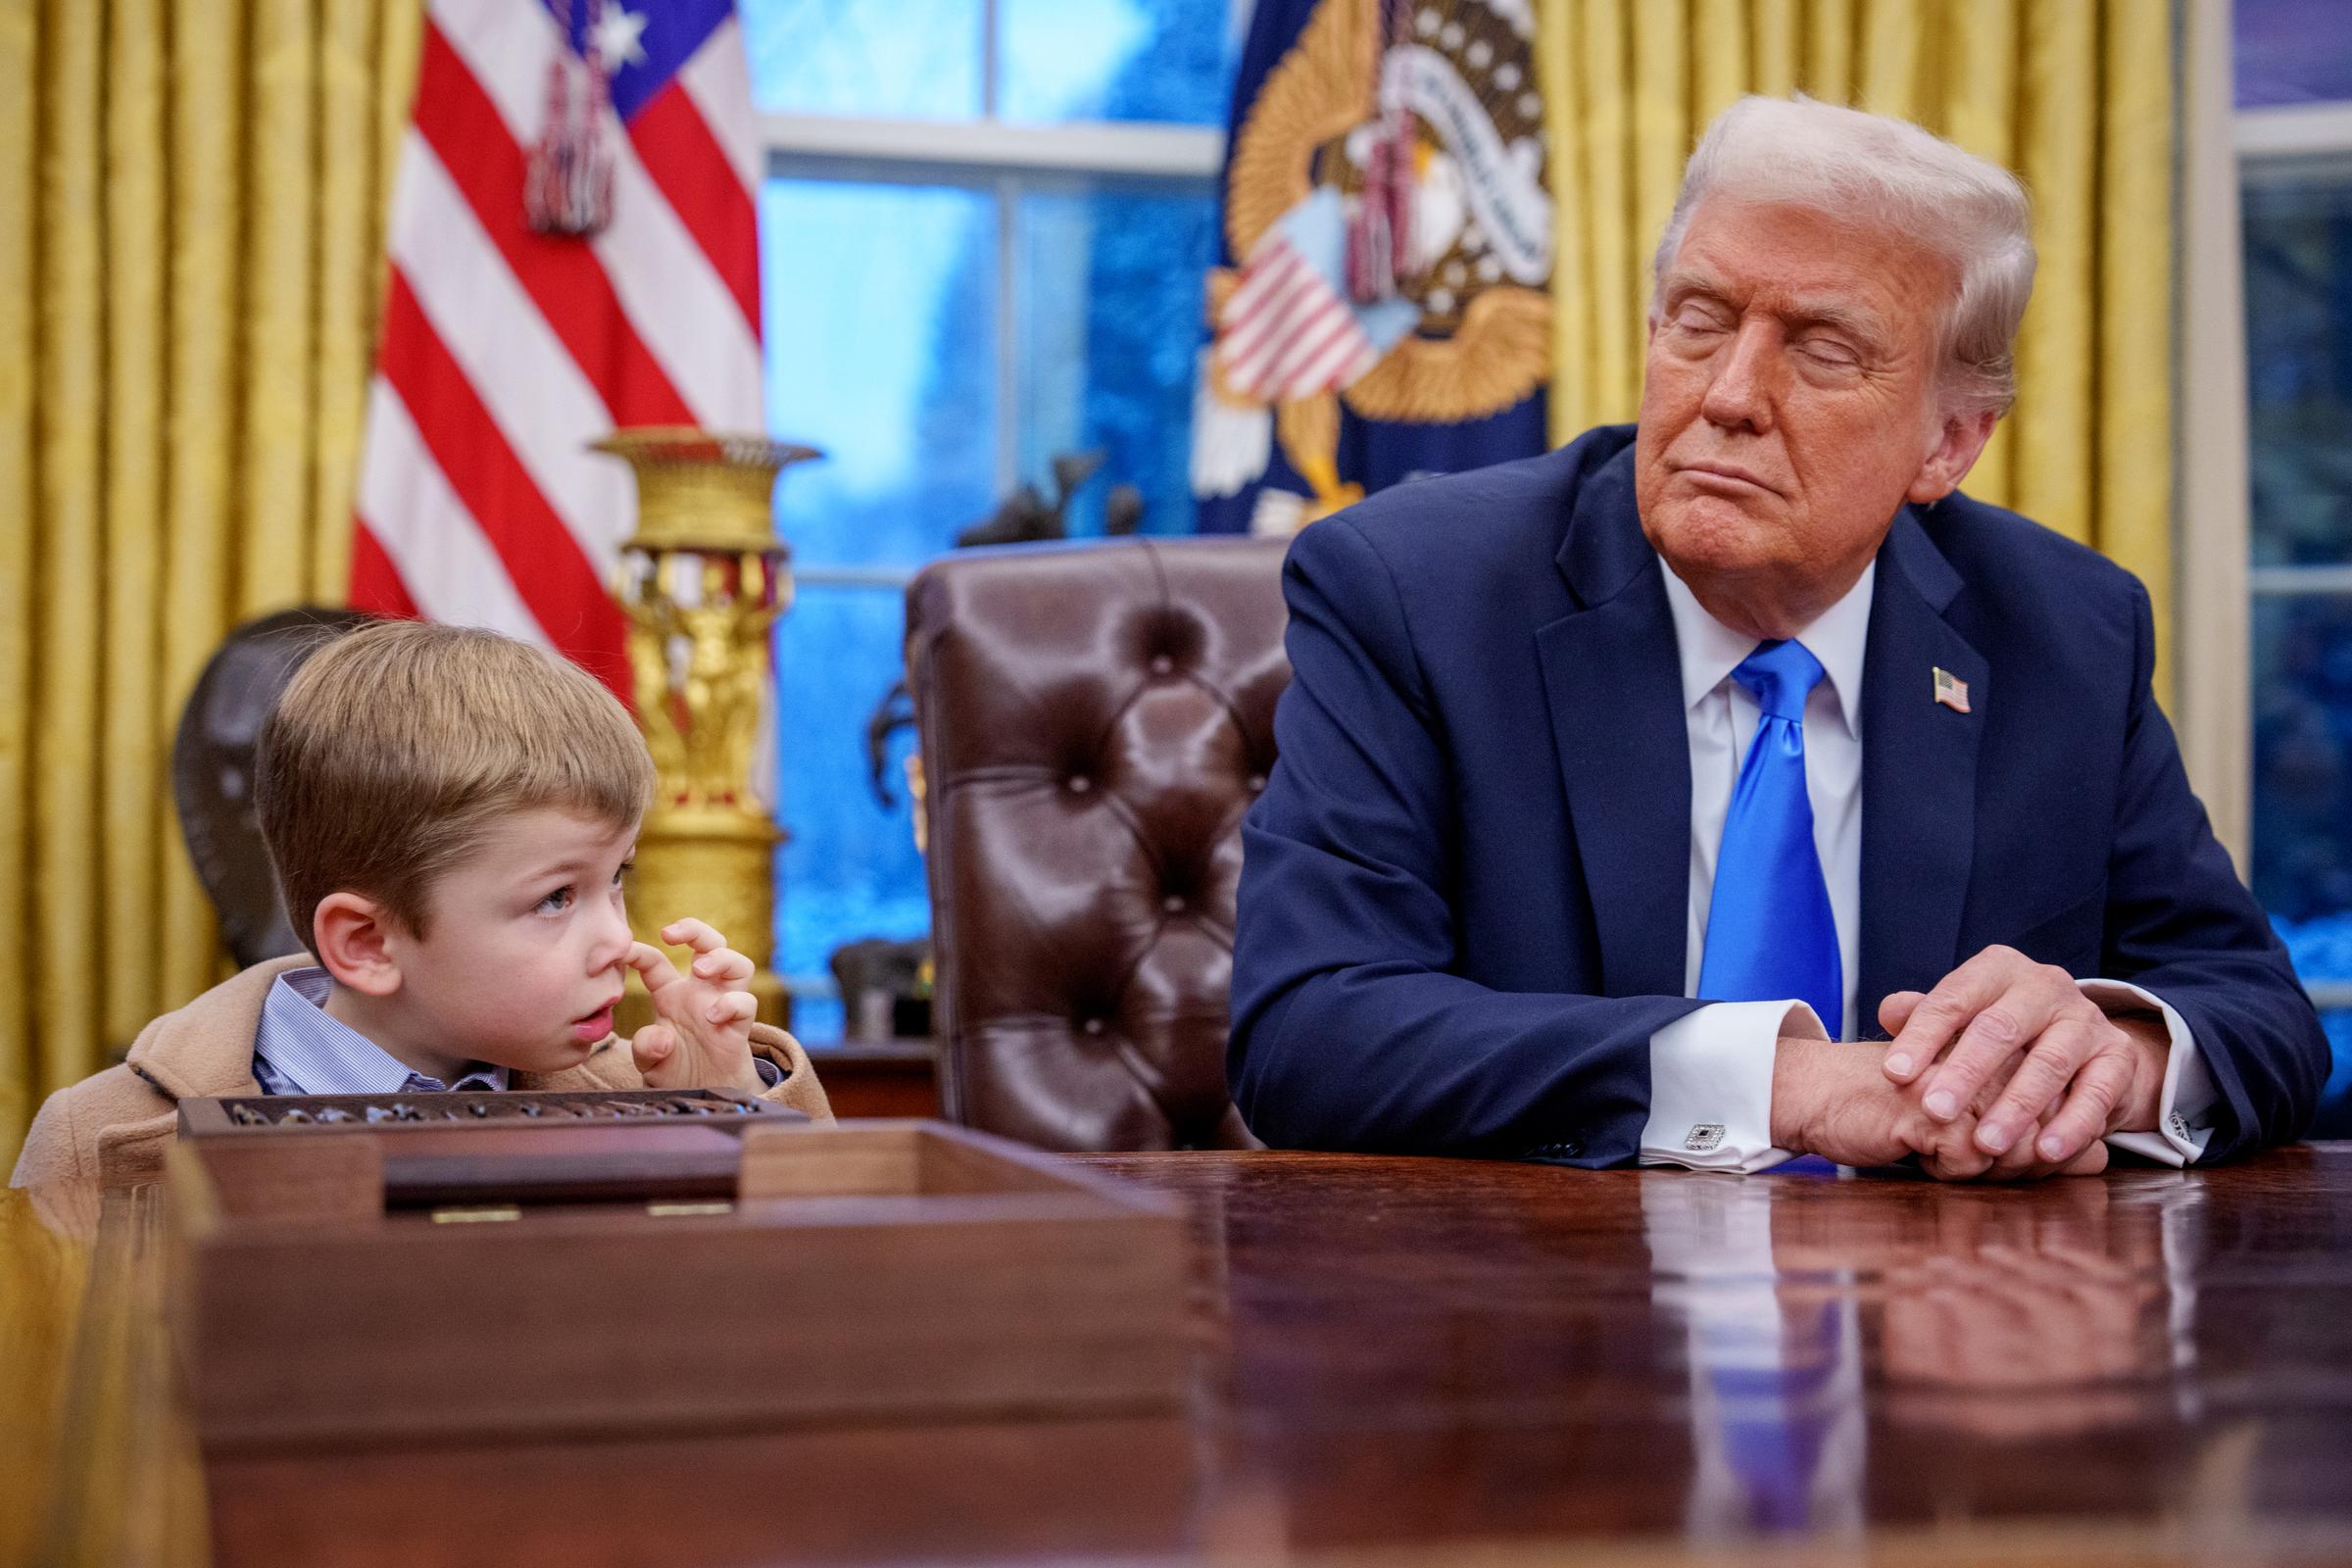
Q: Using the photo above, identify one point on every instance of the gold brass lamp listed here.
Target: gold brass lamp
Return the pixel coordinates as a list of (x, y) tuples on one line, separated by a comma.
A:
[(701, 583)]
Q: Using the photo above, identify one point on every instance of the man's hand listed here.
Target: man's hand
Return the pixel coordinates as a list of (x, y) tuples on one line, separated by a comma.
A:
[(2073, 1075), (1832, 1099), (703, 1040)]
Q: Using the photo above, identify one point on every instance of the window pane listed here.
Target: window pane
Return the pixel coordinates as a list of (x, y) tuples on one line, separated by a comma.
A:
[(2299, 366), (867, 58), (850, 870), (2335, 1099), (2303, 766), (2293, 51), (1164, 60), (1111, 310), (880, 315)]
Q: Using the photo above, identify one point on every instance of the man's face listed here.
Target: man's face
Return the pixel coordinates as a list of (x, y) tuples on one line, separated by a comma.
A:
[(1790, 406), (525, 947)]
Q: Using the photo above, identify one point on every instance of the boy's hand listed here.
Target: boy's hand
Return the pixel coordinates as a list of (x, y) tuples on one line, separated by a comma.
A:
[(703, 1040)]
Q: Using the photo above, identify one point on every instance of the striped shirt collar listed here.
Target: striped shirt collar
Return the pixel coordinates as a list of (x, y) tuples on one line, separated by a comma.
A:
[(300, 1050)]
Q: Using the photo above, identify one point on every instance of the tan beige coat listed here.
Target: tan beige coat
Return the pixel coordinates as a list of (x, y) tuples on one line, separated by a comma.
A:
[(110, 1130)]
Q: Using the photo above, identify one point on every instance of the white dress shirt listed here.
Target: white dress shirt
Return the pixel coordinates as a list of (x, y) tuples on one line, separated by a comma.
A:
[(1711, 1104)]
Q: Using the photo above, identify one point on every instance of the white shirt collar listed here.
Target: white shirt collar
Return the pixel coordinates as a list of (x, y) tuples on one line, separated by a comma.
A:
[(1839, 637)]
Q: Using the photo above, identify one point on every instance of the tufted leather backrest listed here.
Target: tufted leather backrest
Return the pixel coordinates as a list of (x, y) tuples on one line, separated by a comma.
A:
[(1095, 720)]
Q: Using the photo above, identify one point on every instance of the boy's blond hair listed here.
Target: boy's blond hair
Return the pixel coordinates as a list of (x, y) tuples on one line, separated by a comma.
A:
[(396, 746)]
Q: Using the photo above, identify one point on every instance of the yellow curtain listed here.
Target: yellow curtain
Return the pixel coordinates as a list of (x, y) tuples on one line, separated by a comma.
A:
[(2075, 96), (191, 213)]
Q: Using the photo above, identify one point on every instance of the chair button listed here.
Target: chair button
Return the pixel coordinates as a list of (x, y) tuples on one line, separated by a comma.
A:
[(1078, 784), (1173, 904), (1257, 783), (1162, 665), (1092, 1026)]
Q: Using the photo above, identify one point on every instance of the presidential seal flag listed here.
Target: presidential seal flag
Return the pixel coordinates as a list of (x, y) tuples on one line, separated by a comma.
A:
[(1383, 306), (573, 249)]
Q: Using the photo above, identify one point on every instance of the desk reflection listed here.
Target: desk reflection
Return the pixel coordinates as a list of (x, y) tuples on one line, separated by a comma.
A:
[(1811, 1303), (1405, 1357)]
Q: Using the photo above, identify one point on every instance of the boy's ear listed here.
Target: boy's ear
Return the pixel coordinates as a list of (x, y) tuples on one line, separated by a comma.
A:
[(352, 934)]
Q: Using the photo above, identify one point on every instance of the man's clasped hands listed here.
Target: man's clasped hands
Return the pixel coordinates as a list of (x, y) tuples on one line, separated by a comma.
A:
[(2005, 1071)]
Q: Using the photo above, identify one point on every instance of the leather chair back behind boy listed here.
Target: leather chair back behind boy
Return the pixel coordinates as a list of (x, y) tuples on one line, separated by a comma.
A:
[(1094, 718), (212, 772)]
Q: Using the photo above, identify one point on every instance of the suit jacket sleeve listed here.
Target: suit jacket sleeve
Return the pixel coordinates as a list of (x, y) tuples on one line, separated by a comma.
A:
[(2179, 923), (1354, 1026)]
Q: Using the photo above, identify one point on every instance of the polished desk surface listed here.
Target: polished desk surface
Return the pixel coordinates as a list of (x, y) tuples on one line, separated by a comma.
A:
[(1407, 1361)]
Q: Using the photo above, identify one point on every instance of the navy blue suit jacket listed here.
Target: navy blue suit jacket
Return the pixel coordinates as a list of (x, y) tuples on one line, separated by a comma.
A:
[(1462, 899)]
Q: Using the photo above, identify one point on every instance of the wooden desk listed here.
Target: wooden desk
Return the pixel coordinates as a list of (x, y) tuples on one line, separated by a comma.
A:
[(1415, 1361), (878, 1077)]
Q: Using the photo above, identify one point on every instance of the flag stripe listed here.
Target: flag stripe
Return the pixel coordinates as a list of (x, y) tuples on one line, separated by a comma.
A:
[(1278, 262), (718, 78), (1308, 303), (552, 579), (511, 357), (1259, 289), (1335, 365), (1310, 344), (685, 162), (563, 277), (445, 566), (672, 291), (666, 283), (375, 584), (1254, 361), (504, 352), (1300, 296)]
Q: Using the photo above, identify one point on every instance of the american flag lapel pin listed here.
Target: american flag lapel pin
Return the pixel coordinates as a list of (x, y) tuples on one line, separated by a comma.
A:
[(1951, 691)]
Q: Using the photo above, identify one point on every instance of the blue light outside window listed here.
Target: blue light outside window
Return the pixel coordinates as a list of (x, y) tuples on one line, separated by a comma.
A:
[(883, 349), (2298, 277)]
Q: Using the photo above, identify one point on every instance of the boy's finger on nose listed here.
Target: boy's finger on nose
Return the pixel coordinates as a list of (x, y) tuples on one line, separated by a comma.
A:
[(651, 963)]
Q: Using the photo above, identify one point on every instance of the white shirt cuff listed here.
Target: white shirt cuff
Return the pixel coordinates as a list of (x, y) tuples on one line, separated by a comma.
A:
[(2183, 1113), (1710, 1085)]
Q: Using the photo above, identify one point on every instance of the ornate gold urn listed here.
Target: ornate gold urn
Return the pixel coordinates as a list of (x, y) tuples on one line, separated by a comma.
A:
[(701, 583)]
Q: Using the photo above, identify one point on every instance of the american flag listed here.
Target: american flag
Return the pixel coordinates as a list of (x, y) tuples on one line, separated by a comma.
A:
[(506, 350), (1290, 329)]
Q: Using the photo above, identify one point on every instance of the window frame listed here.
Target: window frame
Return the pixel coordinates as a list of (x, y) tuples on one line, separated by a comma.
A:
[(1004, 157)]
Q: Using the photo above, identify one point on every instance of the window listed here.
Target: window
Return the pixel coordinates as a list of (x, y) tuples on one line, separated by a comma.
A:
[(2294, 95), (983, 234)]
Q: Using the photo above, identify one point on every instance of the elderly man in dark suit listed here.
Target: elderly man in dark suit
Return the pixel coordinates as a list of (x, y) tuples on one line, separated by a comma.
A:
[(1729, 787)]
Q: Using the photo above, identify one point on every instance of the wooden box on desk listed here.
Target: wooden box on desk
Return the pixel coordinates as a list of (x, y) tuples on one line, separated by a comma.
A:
[(869, 1270)]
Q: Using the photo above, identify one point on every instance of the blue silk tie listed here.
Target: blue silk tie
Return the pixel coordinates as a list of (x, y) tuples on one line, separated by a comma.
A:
[(1770, 933)]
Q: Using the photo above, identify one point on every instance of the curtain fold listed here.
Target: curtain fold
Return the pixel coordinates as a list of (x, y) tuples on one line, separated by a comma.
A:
[(20, 68), (192, 222), (2075, 96)]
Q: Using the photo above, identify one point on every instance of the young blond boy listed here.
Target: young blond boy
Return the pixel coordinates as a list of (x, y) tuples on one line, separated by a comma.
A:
[(449, 814)]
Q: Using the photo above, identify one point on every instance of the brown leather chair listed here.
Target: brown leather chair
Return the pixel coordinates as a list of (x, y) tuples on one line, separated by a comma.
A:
[(1094, 719), (212, 772)]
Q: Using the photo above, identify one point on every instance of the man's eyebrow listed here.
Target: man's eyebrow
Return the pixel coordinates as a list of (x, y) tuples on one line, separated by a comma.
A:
[(1685, 280)]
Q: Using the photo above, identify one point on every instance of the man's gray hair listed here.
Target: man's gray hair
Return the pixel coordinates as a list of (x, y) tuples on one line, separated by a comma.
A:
[(1868, 168)]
